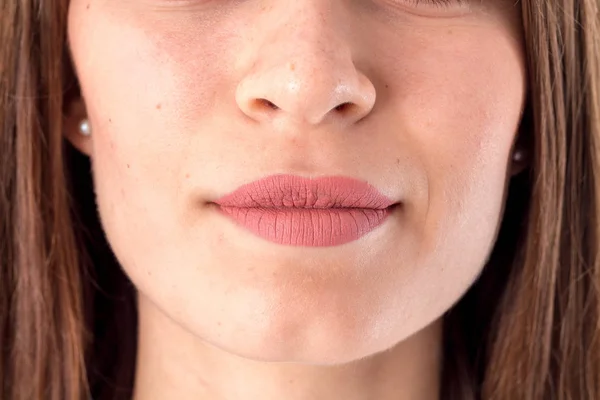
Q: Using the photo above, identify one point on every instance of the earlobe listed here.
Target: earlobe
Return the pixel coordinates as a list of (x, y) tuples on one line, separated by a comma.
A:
[(77, 127)]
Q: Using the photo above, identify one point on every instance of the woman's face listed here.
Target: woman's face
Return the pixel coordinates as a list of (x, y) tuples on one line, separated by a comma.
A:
[(190, 99)]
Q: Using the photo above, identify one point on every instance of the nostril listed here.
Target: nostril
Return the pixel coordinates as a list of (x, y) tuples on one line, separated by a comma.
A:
[(260, 108), (265, 104), (344, 107)]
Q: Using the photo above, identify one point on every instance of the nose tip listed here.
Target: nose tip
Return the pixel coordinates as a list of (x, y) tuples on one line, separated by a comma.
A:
[(306, 94)]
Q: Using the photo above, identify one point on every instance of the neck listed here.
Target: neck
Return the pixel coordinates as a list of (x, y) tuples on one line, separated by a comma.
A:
[(172, 363)]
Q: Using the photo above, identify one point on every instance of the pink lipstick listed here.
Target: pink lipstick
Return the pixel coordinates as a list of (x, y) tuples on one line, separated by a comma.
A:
[(297, 211)]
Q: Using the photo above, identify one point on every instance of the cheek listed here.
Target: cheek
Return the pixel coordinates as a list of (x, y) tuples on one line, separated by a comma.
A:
[(470, 124), (140, 96), (144, 96), (147, 79), (461, 95), (458, 100)]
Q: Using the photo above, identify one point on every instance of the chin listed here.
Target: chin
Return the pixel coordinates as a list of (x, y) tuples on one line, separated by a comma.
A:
[(318, 340)]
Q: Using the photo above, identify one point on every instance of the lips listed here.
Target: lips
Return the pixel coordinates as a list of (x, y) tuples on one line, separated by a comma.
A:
[(297, 211)]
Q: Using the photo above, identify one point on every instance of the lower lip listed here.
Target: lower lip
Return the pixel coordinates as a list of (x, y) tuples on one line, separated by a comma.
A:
[(308, 227)]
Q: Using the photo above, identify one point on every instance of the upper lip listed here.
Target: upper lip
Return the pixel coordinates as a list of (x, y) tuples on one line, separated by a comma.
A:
[(292, 191)]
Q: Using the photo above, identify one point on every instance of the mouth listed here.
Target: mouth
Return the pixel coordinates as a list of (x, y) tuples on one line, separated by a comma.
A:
[(296, 211)]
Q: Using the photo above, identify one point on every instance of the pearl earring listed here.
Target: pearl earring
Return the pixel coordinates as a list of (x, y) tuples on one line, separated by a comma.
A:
[(518, 155), (84, 127)]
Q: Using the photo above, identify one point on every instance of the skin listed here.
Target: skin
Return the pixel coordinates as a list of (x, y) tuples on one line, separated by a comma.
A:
[(174, 91)]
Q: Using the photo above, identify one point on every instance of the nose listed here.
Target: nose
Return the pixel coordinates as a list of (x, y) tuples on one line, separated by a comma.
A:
[(302, 70)]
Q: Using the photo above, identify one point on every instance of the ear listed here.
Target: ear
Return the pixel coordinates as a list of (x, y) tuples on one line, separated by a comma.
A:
[(75, 112)]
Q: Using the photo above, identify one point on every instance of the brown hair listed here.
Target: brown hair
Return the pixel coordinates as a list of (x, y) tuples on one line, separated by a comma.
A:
[(529, 328)]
